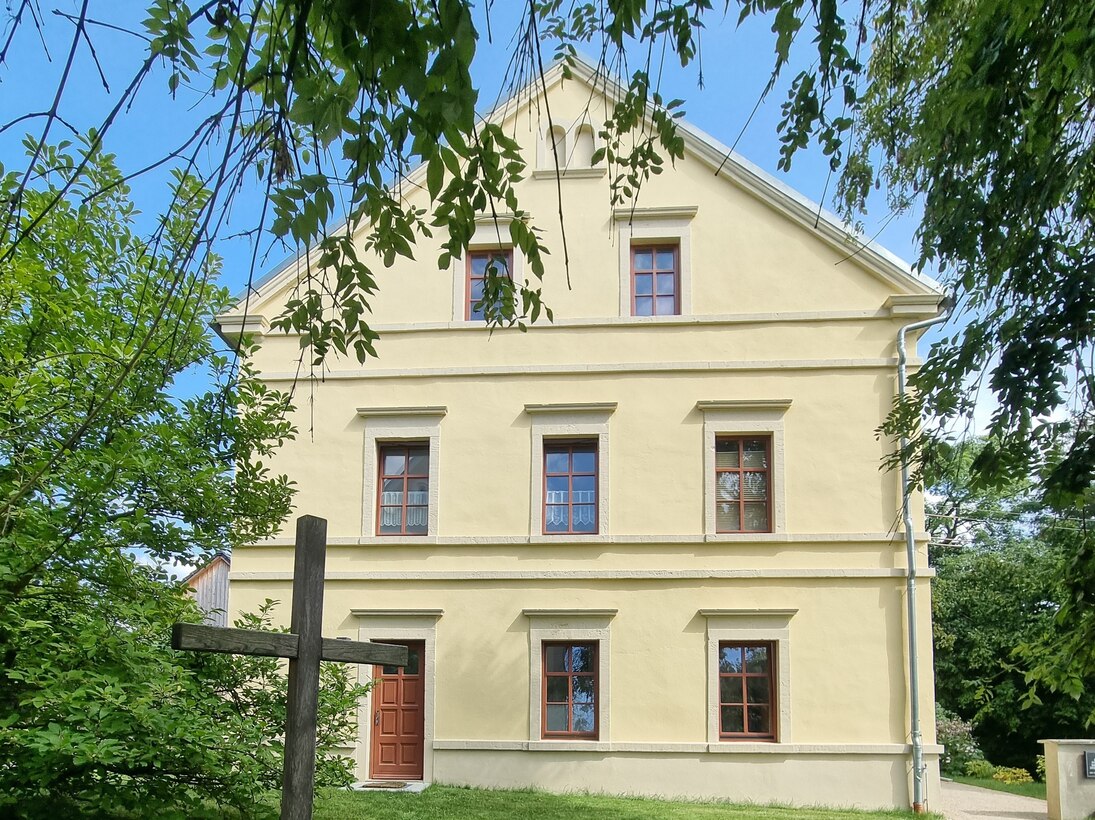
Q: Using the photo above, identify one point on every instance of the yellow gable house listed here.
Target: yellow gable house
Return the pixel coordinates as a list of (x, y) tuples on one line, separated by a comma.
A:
[(647, 548)]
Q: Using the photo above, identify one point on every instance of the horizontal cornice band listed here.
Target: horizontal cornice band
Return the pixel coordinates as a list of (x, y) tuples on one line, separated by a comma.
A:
[(644, 322), (881, 363), (781, 749), (799, 539), (596, 575)]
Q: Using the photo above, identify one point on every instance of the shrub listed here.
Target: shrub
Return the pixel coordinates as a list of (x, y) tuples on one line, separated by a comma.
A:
[(1040, 767), (956, 735), (980, 768), (1009, 774)]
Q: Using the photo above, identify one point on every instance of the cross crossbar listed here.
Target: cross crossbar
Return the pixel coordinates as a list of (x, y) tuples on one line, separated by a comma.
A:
[(305, 647), (201, 638)]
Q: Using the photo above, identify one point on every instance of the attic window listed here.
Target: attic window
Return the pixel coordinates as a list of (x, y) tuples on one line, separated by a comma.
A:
[(556, 147), (568, 148), (581, 154)]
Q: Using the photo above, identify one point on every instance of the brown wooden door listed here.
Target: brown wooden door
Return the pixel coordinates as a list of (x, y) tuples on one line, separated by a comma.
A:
[(398, 707)]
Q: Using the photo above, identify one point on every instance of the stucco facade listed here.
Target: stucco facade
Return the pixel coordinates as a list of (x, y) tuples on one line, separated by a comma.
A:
[(778, 337)]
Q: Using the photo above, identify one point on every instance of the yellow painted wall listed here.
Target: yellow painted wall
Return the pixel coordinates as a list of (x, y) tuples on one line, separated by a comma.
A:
[(776, 314)]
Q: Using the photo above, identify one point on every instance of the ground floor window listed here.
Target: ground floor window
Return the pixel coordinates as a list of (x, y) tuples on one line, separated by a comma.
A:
[(569, 689), (747, 691)]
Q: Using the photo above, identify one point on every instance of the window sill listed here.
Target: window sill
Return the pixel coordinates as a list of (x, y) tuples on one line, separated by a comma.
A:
[(731, 537), (595, 172), (569, 538), (569, 745), (397, 539)]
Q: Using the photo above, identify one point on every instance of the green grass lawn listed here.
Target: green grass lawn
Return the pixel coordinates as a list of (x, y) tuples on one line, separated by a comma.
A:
[(450, 803), (1026, 789)]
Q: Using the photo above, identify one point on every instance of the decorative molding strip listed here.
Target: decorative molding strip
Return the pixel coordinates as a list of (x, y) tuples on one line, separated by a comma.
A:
[(788, 749), (913, 304), (501, 216), (641, 214), (596, 172), (398, 613), (748, 613), (232, 326), (569, 613), (744, 405), (602, 407), (595, 575), (886, 363), (381, 412), (702, 320), (800, 539)]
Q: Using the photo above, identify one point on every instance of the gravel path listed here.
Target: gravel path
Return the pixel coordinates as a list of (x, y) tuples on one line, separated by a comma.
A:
[(961, 802)]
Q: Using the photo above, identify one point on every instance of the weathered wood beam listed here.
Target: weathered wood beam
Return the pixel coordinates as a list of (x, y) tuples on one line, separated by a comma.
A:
[(233, 641), (362, 652), (202, 638), (299, 772)]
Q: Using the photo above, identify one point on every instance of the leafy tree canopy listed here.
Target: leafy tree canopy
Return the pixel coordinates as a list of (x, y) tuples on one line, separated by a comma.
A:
[(997, 608), (98, 461)]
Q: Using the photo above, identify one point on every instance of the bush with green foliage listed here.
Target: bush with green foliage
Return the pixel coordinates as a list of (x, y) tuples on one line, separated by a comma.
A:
[(980, 768), (1040, 768), (257, 688), (959, 745), (1011, 775)]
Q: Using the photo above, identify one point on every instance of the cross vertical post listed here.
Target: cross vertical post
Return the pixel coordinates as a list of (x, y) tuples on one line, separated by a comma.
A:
[(298, 781), (304, 647)]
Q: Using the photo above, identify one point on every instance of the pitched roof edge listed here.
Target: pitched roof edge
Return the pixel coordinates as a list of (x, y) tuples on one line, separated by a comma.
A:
[(778, 194)]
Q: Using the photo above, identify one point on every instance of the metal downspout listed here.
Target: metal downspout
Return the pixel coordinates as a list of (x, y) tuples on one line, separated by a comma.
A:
[(910, 572)]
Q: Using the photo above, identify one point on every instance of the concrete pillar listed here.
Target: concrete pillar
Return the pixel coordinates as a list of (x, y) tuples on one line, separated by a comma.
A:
[(1070, 778)]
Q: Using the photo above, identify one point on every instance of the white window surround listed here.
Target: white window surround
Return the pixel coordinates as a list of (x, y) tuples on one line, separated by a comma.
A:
[(569, 421), (671, 225), (491, 232), (569, 625), (399, 424), (744, 416), (399, 625), (748, 626)]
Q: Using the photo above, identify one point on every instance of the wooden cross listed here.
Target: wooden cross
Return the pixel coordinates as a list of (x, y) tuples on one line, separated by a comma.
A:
[(305, 647)]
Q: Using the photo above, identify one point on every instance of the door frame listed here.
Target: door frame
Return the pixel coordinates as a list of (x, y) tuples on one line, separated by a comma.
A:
[(374, 707), (398, 625)]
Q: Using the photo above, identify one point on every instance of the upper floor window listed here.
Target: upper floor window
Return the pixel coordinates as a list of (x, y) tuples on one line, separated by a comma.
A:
[(570, 487), (655, 280), (497, 261), (403, 498), (570, 690), (743, 497), (746, 691)]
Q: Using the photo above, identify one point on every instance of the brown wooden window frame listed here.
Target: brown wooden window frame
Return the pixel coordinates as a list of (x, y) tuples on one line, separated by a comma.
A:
[(654, 247), (553, 446), (545, 733), (470, 278), (741, 470), (383, 448), (744, 676)]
